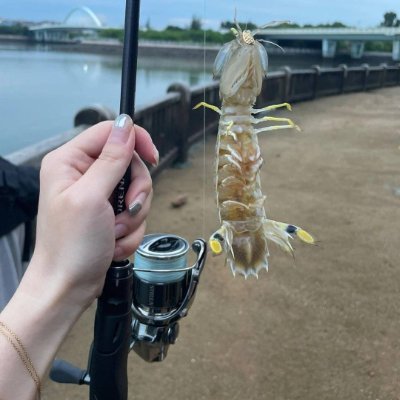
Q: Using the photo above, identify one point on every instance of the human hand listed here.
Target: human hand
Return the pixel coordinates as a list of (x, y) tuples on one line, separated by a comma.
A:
[(77, 237), (77, 232)]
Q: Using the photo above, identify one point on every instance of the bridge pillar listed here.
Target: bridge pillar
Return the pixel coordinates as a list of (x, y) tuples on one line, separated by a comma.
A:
[(328, 48), (357, 49), (396, 50)]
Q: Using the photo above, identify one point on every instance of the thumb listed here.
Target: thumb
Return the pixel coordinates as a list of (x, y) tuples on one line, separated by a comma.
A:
[(104, 174)]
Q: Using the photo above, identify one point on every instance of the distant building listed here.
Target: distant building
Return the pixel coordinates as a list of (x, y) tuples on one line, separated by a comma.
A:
[(81, 22)]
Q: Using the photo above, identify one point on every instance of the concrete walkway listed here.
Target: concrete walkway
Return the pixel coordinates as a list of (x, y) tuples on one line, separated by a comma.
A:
[(323, 327)]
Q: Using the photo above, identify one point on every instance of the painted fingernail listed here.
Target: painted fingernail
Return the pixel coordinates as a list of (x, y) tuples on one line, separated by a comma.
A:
[(121, 129), (137, 204), (120, 231), (156, 157)]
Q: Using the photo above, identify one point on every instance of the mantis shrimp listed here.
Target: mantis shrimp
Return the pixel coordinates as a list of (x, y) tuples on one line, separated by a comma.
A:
[(241, 65)]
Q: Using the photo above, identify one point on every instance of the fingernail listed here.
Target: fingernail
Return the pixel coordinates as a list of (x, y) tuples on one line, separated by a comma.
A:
[(121, 129), (156, 157), (137, 204), (120, 231)]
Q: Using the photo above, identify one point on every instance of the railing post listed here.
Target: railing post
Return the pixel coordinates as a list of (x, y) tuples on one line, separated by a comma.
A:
[(93, 115), (366, 68), (383, 74), (396, 50), (345, 69), (317, 74), (182, 120), (288, 82), (398, 74)]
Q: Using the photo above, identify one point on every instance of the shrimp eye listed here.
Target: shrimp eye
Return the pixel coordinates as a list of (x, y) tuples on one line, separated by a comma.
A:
[(235, 32)]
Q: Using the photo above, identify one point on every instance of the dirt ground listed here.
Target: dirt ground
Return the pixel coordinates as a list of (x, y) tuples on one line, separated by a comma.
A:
[(326, 326)]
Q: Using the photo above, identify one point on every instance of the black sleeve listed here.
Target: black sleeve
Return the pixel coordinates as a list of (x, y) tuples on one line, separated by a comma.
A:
[(19, 195)]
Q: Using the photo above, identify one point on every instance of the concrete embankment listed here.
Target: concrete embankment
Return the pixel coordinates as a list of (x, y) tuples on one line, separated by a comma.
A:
[(196, 52), (13, 38), (146, 48)]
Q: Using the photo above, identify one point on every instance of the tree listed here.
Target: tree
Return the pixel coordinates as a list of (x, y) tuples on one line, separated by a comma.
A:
[(244, 25), (390, 19), (148, 25), (174, 28), (195, 24), (335, 24)]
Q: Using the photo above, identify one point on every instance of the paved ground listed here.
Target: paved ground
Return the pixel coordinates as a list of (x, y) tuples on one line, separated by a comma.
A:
[(323, 327)]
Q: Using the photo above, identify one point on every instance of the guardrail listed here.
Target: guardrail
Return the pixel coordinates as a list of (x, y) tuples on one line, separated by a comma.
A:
[(175, 126)]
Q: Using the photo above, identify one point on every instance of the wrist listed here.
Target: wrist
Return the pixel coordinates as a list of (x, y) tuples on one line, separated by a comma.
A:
[(51, 282), (42, 301)]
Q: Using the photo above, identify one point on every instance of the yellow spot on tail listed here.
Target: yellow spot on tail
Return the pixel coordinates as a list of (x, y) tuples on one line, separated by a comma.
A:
[(206, 105), (215, 246), (305, 236)]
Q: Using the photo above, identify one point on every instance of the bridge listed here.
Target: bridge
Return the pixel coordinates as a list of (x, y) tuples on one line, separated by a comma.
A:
[(81, 21), (330, 36)]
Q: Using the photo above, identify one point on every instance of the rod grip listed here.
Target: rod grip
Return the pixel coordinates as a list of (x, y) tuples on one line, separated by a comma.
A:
[(112, 337)]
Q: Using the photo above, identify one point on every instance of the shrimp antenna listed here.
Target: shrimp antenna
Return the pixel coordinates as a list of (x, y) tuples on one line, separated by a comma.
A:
[(273, 43), (236, 23), (269, 25)]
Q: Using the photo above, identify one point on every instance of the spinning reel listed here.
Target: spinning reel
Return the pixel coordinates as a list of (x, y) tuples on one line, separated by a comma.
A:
[(139, 309)]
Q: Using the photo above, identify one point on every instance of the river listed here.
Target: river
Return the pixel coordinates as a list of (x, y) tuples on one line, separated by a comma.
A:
[(41, 91)]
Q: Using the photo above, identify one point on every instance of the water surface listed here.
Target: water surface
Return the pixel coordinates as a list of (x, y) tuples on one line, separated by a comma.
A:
[(41, 90)]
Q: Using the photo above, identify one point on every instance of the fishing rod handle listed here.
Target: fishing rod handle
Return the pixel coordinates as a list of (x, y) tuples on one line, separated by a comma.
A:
[(112, 333)]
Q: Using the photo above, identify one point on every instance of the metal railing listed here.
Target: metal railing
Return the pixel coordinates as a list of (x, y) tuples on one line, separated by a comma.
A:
[(175, 126)]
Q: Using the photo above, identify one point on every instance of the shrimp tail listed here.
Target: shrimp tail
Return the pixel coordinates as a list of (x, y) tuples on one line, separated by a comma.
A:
[(281, 233)]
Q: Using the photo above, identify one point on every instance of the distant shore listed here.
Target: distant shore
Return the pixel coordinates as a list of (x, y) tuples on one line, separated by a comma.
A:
[(13, 38), (146, 48), (162, 49)]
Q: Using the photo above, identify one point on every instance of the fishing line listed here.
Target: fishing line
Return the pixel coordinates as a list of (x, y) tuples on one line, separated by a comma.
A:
[(204, 120)]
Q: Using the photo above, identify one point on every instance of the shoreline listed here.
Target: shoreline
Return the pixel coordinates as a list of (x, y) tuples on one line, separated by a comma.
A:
[(169, 49), (146, 48), (13, 38)]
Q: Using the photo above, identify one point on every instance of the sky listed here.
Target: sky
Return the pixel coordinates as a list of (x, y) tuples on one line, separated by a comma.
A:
[(160, 13)]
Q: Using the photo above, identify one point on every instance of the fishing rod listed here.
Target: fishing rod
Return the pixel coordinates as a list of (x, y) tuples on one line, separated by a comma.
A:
[(107, 366), (141, 305)]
